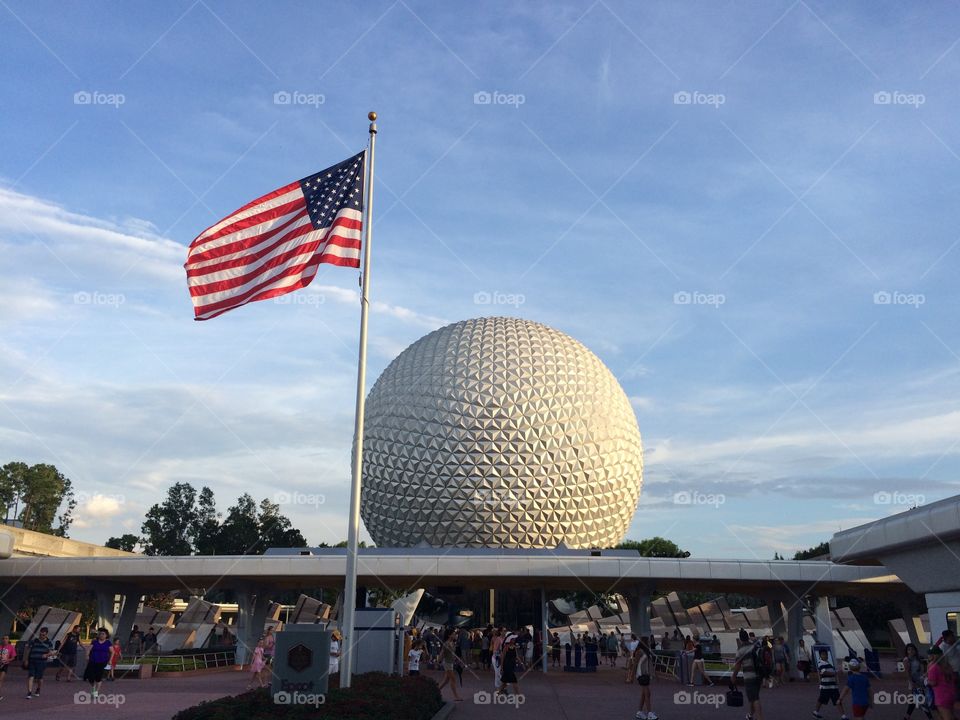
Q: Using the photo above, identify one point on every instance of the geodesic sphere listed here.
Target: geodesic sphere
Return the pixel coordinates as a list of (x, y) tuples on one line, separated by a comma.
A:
[(499, 432)]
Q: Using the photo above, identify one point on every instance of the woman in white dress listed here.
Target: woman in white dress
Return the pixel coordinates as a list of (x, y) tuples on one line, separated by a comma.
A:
[(335, 640)]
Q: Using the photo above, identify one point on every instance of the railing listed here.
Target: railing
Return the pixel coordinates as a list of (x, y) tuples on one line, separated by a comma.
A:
[(182, 663)]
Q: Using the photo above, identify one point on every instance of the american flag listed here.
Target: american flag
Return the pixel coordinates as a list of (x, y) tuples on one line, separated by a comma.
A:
[(273, 245)]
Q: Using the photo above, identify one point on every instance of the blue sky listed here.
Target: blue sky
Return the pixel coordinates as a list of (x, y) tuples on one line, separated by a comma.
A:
[(748, 212)]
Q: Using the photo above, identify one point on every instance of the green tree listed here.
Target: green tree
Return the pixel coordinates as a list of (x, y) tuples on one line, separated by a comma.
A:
[(34, 494), (240, 532), (656, 547), (127, 542), (207, 528), (276, 530), (170, 526), (816, 551)]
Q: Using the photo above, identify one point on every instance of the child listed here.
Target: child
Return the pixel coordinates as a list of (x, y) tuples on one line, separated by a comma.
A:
[(829, 691), (115, 653), (257, 665), (858, 686), (416, 652)]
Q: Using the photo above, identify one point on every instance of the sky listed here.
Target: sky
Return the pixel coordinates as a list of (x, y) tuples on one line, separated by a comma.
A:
[(747, 211)]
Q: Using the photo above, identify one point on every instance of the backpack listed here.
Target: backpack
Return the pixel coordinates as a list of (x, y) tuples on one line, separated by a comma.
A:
[(762, 659)]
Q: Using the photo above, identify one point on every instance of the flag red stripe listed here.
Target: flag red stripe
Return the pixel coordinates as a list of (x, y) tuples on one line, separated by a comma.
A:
[(249, 222), (259, 201), (273, 262)]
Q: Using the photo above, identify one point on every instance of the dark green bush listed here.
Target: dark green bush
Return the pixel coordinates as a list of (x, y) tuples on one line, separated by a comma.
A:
[(373, 696)]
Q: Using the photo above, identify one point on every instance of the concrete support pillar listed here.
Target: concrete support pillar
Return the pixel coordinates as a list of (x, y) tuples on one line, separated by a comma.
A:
[(912, 620), (775, 604), (11, 598), (824, 631), (638, 602), (544, 629), (252, 605), (128, 613), (105, 606), (794, 635)]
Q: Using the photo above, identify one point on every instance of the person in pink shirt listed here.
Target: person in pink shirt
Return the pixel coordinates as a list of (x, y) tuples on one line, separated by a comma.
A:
[(257, 664), (8, 653), (943, 681)]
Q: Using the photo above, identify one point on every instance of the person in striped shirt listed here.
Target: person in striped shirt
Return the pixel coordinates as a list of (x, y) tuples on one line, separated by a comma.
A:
[(829, 689)]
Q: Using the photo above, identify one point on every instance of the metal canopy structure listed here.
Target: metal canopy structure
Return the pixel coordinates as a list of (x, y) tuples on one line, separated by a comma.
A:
[(399, 568)]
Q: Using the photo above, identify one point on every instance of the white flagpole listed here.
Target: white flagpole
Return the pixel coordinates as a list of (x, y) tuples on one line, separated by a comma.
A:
[(353, 533)]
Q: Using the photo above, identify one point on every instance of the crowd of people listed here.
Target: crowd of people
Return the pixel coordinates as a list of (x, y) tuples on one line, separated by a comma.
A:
[(42, 653)]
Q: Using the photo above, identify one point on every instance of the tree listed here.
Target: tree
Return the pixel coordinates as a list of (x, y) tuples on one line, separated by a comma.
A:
[(127, 542), (276, 530), (33, 494), (169, 526), (207, 524), (240, 532), (656, 547), (814, 552)]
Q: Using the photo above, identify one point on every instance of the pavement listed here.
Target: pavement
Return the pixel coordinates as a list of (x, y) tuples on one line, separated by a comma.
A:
[(564, 696)]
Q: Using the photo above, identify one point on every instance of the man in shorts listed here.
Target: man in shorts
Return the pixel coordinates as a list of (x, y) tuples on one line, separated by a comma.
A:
[(829, 690), (751, 679), (39, 650)]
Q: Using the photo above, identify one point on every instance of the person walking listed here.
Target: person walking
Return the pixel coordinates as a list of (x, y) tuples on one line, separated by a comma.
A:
[(97, 660), (630, 646), (803, 661), (8, 653), (613, 647), (508, 675), (39, 650), (781, 661), (495, 643), (414, 656), (269, 644), (643, 661), (336, 642), (916, 682), (947, 642), (858, 688), (256, 666), (829, 690), (464, 646), (68, 653), (449, 659), (943, 681), (485, 648), (555, 650), (746, 660), (699, 667), (116, 652)]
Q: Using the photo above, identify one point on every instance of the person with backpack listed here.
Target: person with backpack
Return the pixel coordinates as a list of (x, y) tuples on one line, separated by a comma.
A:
[(829, 690), (749, 659)]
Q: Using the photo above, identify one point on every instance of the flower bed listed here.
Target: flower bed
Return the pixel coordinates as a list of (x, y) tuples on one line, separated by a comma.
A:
[(373, 696)]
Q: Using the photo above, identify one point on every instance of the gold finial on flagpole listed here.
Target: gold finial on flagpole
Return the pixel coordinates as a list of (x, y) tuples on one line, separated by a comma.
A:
[(372, 116)]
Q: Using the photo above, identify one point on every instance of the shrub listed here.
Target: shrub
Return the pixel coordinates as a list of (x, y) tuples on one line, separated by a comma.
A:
[(373, 696)]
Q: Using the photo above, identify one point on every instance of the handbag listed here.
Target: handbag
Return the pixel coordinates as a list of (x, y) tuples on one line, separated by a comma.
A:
[(734, 698)]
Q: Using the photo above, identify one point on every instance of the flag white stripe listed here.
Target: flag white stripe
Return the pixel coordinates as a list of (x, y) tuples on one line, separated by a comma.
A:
[(249, 212)]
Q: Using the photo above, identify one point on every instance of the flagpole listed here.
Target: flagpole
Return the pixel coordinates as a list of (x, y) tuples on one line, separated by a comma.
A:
[(353, 532)]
